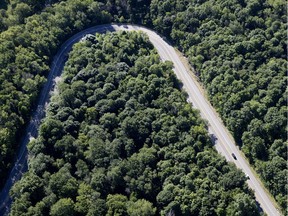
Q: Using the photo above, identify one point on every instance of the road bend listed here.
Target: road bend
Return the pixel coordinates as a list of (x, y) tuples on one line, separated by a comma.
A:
[(225, 144)]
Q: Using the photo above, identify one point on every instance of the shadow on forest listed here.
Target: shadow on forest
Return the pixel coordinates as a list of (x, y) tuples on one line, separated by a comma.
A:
[(3, 4)]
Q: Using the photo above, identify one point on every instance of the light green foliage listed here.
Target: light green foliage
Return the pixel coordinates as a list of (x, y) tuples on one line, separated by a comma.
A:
[(141, 207), (63, 207), (242, 205), (116, 205)]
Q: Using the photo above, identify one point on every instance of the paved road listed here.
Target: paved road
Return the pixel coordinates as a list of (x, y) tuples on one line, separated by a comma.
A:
[(225, 144)]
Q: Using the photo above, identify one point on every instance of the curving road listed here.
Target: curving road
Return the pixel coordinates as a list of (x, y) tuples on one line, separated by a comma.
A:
[(225, 144)]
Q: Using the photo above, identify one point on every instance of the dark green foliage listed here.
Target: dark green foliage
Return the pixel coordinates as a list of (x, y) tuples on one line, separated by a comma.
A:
[(15, 12), (3, 4), (237, 47), (136, 147), (239, 51), (25, 53)]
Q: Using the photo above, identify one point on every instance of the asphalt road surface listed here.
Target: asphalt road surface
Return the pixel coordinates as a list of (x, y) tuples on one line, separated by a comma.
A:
[(224, 144)]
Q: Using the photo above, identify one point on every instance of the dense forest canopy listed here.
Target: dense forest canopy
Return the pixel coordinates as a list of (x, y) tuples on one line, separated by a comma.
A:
[(238, 48), (120, 139), (26, 51), (239, 51)]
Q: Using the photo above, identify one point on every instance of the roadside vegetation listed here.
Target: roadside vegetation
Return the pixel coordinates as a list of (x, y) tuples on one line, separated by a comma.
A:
[(120, 139), (239, 51), (238, 48), (26, 50)]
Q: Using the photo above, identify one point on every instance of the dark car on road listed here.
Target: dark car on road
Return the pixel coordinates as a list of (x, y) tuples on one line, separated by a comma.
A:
[(234, 156)]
